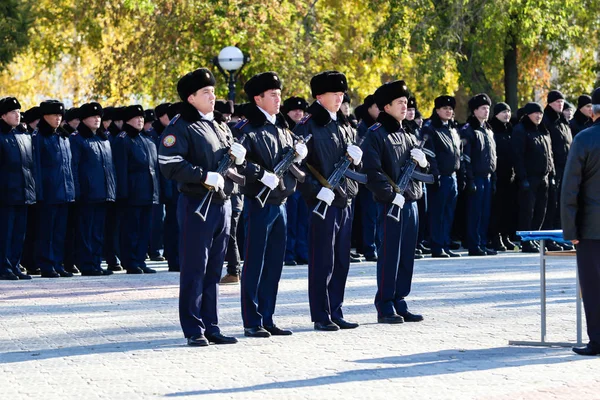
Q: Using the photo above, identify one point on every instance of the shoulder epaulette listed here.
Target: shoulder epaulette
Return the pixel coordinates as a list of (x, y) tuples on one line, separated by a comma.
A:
[(241, 123), (122, 134), (175, 118), (375, 126), (466, 125), (305, 119), (75, 133)]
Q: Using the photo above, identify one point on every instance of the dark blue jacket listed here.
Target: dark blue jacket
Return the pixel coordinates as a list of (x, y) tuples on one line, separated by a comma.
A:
[(17, 168), (532, 150), (93, 168), (191, 147), (54, 176), (266, 144), (505, 167), (327, 146), (560, 133), (479, 149), (136, 165), (386, 149), (168, 187), (444, 149)]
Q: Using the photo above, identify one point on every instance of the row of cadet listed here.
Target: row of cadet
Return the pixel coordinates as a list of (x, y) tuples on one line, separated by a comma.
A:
[(74, 193)]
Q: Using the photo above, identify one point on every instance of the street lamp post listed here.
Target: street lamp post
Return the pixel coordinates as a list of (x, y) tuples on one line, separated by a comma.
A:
[(230, 62)]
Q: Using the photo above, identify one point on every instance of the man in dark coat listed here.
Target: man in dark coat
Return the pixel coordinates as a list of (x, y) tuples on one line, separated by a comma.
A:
[(583, 116), (17, 188), (266, 139), (136, 165), (532, 151), (95, 187), (191, 149), (444, 153), (560, 133), (503, 220), (388, 147), (580, 214), (329, 237), (55, 189), (480, 160)]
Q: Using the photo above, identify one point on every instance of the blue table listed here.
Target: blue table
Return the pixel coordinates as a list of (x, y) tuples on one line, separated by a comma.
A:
[(557, 236)]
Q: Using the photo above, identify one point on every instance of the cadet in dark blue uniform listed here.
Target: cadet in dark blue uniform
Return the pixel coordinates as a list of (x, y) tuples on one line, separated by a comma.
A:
[(388, 147), (329, 238), (95, 187), (583, 116), (192, 147), (479, 156), (168, 195), (158, 210), (368, 207), (266, 139), (532, 147), (136, 164), (112, 123), (55, 189), (443, 150), (296, 250), (17, 188)]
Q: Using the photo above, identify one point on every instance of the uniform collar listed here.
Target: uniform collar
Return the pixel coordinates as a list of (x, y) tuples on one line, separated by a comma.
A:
[(322, 116), (130, 130), (209, 116), (390, 123), (271, 118), (332, 115), (4, 127), (258, 117)]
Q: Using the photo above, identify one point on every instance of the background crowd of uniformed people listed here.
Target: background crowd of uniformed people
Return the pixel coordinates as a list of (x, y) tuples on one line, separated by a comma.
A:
[(123, 184)]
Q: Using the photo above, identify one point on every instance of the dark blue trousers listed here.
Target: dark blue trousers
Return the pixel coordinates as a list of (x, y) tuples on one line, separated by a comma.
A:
[(28, 257), (90, 236), (369, 222), (157, 229), (112, 229), (202, 249), (396, 259), (328, 263), (442, 204), (263, 262), (478, 216), (13, 225), (52, 229), (423, 216), (297, 228), (588, 266), (135, 235), (171, 235), (69, 259)]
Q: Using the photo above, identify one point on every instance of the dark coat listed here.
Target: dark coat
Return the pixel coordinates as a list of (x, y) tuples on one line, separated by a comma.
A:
[(93, 167), (136, 165), (479, 149), (580, 196), (560, 133), (386, 150), (328, 145), (195, 146), (266, 144), (579, 123), (505, 167), (444, 148), (54, 176), (532, 150), (17, 167)]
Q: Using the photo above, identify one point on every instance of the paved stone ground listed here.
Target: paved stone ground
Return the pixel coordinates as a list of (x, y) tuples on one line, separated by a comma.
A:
[(118, 337)]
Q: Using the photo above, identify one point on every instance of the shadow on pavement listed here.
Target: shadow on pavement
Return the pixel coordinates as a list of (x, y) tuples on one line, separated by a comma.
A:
[(424, 364)]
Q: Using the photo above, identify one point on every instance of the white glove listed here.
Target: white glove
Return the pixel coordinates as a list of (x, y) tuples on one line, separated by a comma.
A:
[(399, 200), (270, 180), (239, 152), (215, 180), (326, 195), (419, 157), (355, 153), (301, 151)]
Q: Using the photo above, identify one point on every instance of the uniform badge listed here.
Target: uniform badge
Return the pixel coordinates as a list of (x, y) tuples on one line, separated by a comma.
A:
[(169, 141)]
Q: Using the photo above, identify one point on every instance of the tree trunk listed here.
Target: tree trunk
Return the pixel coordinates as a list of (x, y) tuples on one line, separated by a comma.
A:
[(511, 74)]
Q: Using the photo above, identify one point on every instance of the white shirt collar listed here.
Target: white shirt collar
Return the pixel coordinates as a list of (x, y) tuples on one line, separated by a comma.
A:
[(271, 118), (210, 116), (331, 114)]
